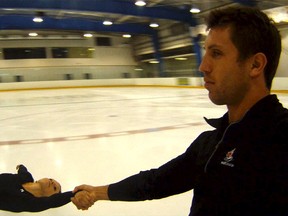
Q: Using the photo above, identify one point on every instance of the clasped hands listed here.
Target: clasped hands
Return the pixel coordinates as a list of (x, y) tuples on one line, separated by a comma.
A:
[(86, 195)]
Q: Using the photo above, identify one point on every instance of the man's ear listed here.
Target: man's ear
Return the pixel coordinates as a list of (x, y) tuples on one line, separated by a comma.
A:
[(258, 63)]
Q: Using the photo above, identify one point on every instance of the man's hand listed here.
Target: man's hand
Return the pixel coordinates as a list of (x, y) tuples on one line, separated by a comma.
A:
[(86, 195)]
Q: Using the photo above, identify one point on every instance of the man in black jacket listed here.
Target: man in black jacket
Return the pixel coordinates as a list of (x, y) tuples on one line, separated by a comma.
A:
[(241, 167), (19, 192)]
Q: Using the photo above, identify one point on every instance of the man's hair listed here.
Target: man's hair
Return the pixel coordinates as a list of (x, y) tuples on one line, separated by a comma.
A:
[(251, 32)]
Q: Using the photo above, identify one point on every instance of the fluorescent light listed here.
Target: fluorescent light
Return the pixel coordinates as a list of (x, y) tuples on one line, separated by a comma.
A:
[(88, 35), (126, 36), (194, 10), (154, 25), (107, 22), (180, 58), (140, 3), (38, 19), (153, 62), (33, 34)]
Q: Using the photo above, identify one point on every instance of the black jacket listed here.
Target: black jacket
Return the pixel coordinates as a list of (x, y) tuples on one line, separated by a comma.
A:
[(238, 169), (14, 198)]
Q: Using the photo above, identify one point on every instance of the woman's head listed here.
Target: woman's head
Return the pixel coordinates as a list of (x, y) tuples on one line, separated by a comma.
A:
[(49, 186)]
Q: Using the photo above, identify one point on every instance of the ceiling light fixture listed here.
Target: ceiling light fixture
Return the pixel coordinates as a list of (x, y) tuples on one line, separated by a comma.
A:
[(126, 35), (138, 69), (154, 62), (194, 10), (140, 3), (33, 34), (107, 22), (88, 35), (39, 17), (154, 25), (180, 58)]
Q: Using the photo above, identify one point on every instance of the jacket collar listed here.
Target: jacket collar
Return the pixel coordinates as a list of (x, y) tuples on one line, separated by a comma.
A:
[(217, 122), (258, 109)]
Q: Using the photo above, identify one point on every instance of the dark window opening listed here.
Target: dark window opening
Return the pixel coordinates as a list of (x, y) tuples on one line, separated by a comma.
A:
[(24, 53), (103, 41), (59, 52)]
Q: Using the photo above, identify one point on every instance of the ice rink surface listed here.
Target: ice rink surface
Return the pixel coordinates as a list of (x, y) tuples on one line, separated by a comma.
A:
[(99, 136)]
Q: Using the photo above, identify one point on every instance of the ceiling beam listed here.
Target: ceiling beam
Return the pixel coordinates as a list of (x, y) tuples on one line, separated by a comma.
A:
[(18, 22), (104, 6)]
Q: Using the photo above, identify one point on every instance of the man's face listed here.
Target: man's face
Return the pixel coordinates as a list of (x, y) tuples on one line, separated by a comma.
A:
[(226, 79)]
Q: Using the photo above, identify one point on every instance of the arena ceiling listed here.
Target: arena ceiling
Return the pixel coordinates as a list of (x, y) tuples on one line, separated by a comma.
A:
[(71, 17)]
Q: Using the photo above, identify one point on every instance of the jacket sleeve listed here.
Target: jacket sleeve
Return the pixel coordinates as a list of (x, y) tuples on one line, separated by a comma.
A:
[(24, 175), (177, 176), (8, 180), (29, 203)]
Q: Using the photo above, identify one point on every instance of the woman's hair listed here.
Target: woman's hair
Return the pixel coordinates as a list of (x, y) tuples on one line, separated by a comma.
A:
[(251, 32)]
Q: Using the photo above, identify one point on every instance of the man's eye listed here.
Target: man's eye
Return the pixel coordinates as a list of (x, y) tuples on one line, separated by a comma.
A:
[(216, 53)]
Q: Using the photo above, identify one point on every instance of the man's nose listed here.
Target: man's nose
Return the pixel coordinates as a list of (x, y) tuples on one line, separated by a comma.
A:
[(204, 66)]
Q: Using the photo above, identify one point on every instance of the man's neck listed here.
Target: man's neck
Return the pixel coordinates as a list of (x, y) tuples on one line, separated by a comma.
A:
[(236, 113)]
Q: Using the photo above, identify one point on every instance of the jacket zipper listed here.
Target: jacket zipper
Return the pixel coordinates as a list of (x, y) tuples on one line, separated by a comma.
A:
[(216, 147)]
